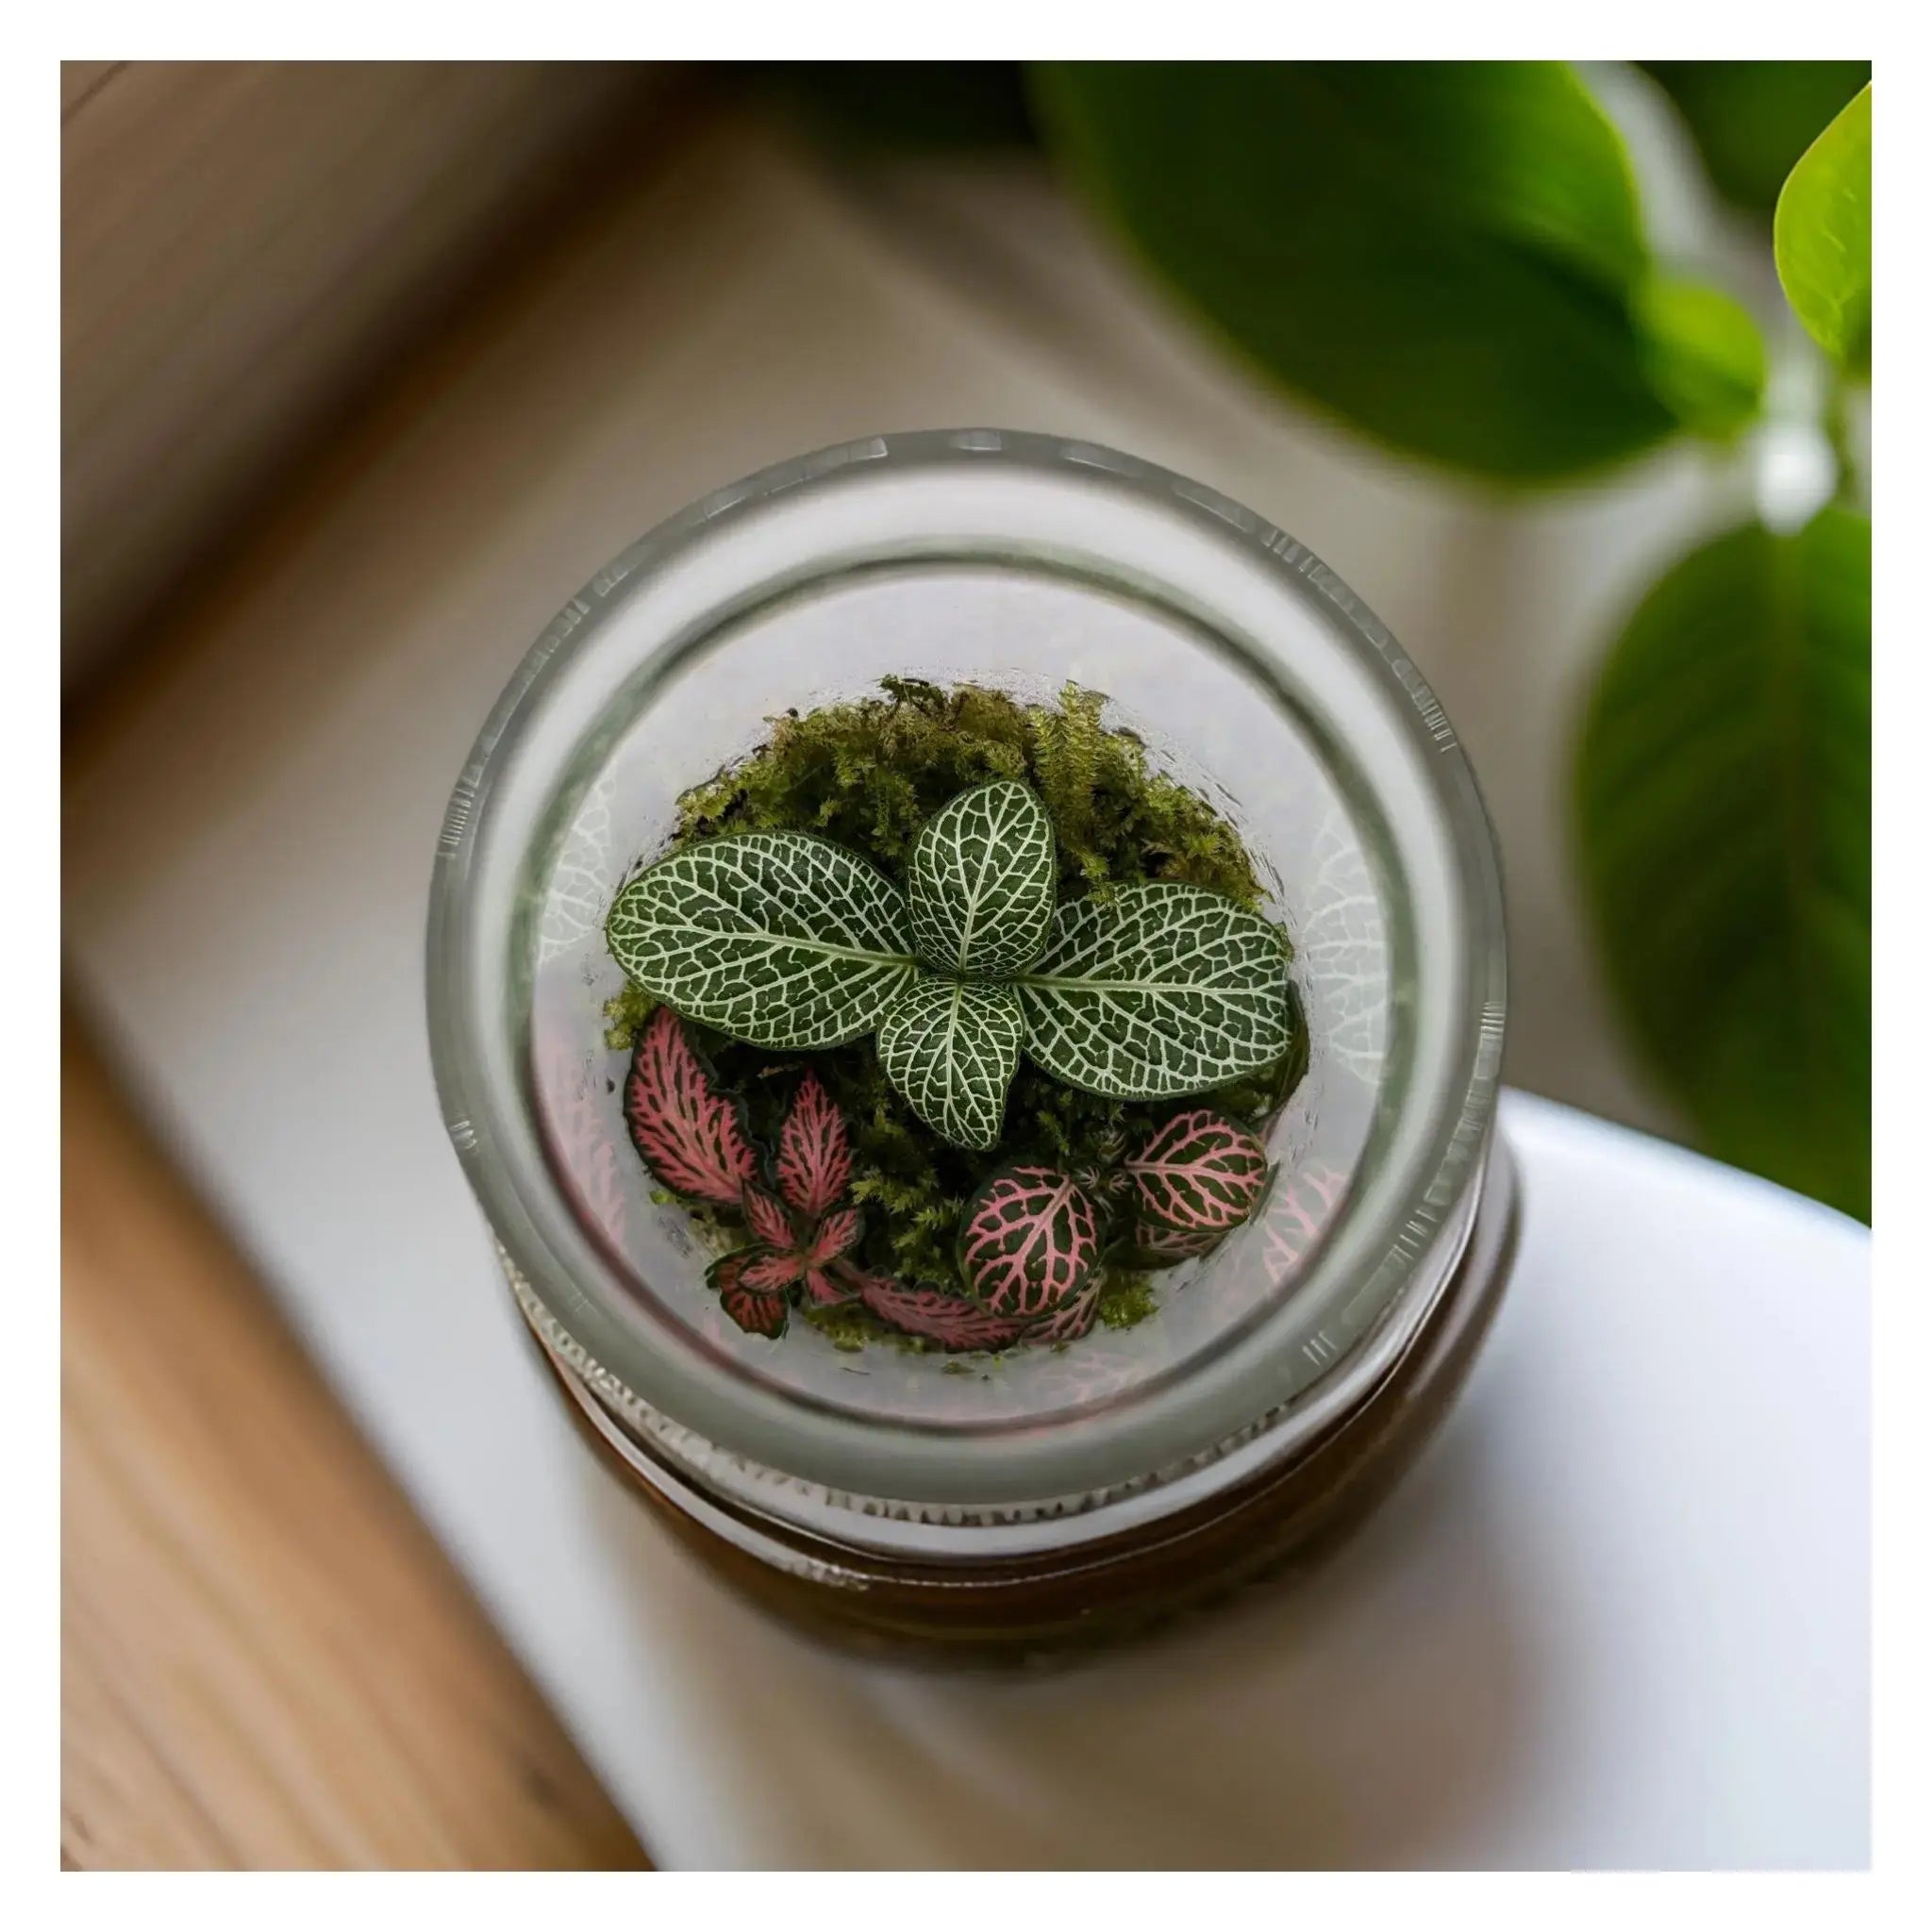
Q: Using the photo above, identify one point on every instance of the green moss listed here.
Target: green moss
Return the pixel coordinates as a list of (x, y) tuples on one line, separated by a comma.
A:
[(626, 1015), (849, 1327), (869, 774), (1128, 1299)]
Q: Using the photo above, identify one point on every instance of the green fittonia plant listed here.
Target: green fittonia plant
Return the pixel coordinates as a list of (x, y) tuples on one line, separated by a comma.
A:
[(708, 1112), (787, 941)]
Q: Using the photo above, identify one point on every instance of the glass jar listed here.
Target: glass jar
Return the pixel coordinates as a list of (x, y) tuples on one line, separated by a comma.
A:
[(997, 1504)]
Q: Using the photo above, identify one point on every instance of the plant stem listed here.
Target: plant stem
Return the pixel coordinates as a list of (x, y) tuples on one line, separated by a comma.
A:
[(1837, 424)]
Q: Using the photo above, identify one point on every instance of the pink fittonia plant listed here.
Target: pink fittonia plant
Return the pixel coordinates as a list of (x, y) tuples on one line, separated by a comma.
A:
[(932, 1313), (788, 1255), (814, 1151), (1027, 1242), (757, 1310), (792, 1248), (1072, 1322), (1163, 1247), (1200, 1174), (691, 1136), (1030, 1240), (693, 1139), (797, 1234)]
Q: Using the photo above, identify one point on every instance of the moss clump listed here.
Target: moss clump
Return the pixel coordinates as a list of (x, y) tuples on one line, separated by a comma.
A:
[(869, 774), (1126, 1300), (848, 1327), (626, 1015)]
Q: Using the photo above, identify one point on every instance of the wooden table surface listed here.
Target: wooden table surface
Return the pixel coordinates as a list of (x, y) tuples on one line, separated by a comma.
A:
[(265, 1661)]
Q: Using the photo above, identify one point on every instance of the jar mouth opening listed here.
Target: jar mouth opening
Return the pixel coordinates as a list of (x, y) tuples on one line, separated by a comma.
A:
[(1019, 505)]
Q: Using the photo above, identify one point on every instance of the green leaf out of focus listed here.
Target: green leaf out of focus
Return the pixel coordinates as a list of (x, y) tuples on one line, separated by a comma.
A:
[(1447, 254), (1752, 119), (1822, 235), (1701, 352), (1724, 820)]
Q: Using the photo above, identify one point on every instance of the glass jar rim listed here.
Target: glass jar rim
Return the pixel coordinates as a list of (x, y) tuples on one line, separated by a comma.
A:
[(1203, 1412)]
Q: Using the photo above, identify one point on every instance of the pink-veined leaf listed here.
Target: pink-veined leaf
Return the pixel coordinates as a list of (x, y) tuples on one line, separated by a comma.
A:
[(825, 1289), (1072, 1321), (949, 1320), (770, 1270), (765, 1215), (814, 1151), (755, 1310), (1029, 1240), (757, 1314), (1200, 1172), (691, 1137), (837, 1233), (1164, 1246)]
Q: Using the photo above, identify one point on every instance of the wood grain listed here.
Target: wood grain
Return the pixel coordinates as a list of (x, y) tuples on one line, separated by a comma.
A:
[(266, 1661)]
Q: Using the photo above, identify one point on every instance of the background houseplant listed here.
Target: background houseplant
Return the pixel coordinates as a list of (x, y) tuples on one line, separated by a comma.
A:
[(1453, 258)]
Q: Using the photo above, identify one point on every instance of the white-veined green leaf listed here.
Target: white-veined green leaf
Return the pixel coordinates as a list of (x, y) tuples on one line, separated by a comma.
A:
[(980, 885), (952, 1049), (780, 938), (1162, 990)]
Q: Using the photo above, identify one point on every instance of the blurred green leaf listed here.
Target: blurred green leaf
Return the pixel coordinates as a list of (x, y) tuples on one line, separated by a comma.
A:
[(1822, 235), (1752, 119), (1725, 818), (1703, 354), (1446, 255), (912, 103)]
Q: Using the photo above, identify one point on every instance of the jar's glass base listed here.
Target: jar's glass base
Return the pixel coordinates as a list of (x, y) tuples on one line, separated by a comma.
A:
[(1060, 1602)]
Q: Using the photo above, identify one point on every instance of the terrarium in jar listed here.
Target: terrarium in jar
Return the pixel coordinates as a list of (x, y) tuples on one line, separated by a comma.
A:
[(966, 972)]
